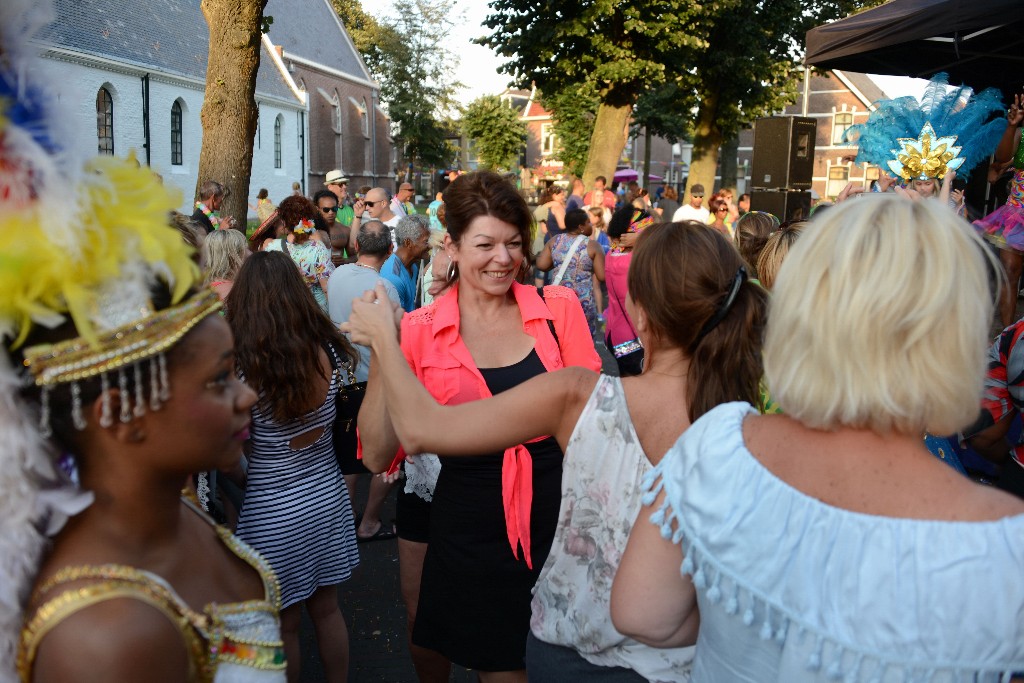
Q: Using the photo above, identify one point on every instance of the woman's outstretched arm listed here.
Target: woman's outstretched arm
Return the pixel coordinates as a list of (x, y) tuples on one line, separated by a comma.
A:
[(549, 404)]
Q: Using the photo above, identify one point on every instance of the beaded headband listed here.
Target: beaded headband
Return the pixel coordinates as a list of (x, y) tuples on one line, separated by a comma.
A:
[(121, 349), (77, 359)]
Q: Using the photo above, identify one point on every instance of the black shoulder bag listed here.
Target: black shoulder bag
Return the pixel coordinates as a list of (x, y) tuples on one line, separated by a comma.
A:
[(349, 399)]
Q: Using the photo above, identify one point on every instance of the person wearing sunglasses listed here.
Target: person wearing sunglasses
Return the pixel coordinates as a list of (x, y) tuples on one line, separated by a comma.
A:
[(327, 205), (719, 212), (375, 205), (694, 211)]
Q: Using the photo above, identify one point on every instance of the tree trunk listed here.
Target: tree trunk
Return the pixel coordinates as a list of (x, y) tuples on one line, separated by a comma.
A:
[(229, 106), (647, 159), (707, 138), (607, 142), (729, 152)]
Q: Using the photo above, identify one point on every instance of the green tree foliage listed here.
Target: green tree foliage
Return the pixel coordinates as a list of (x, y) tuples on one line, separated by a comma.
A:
[(749, 69), (729, 60), (573, 113), (620, 47), (663, 112), (496, 129), (407, 56)]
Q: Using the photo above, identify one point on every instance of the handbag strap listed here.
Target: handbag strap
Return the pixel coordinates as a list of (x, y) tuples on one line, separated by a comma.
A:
[(337, 364), (568, 258), (551, 323)]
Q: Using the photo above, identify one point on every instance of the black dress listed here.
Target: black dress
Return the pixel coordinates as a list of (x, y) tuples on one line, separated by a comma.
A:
[(474, 604)]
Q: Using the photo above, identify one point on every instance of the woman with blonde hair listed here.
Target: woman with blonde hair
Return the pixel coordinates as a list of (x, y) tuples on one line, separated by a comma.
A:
[(224, 251), (827, 543), (774, 252)]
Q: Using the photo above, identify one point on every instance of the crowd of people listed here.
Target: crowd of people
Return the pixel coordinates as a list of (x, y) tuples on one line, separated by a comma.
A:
[(750, 492)]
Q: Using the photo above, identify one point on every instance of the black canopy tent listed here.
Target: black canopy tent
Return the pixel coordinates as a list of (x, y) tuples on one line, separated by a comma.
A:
[(977, 42)]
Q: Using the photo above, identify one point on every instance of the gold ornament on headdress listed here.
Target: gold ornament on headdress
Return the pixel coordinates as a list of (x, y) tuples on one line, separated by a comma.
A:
[(76, 359), (928, 156)]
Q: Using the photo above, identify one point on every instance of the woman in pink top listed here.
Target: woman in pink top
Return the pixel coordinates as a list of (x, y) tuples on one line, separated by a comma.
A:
[(492, 516), (621, 338)]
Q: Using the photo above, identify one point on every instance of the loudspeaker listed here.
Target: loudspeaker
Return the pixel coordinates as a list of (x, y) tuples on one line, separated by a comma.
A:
[(786, 206), (783, 153)]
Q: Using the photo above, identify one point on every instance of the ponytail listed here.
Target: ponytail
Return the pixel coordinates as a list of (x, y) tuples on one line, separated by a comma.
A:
[(693, 285), (726, 363)]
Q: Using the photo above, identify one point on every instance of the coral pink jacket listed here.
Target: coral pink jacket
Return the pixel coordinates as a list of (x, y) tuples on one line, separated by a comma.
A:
[(442, 362)]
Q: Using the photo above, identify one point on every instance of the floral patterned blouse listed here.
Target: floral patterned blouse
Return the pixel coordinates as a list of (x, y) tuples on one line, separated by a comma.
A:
[(314, 262), (601, 487)]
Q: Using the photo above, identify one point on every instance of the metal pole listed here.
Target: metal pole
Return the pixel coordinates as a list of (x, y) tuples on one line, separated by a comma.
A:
[(807, 89)]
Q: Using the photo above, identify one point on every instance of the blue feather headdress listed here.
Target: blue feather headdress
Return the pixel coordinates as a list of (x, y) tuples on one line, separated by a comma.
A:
[(949, 129)]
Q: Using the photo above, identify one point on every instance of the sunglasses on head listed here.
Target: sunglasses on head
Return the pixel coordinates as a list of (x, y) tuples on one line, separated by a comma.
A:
[(329, 209)]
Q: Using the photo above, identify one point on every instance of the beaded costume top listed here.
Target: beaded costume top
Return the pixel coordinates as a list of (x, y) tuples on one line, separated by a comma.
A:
[(226, 642)]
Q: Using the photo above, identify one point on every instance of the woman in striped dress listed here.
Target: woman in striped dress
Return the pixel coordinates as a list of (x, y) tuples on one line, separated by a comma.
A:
[(296, 510)]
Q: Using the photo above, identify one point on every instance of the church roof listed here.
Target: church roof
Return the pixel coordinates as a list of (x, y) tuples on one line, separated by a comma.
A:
[(310, 29), (171, 37)]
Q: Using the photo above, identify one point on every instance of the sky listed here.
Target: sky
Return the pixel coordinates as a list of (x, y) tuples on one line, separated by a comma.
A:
[(478, 65)]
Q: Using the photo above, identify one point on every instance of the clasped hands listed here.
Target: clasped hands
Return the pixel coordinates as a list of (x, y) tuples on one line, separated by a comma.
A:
[(374, 317)]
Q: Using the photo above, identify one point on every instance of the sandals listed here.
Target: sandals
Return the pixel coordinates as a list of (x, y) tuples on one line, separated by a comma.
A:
[(383, 534)]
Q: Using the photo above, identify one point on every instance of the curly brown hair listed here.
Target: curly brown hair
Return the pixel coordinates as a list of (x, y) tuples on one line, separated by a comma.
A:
[(279, 331), (295, 208)]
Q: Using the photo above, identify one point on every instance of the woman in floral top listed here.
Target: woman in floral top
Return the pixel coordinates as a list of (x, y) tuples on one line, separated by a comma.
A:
[(700, 320), (309, 254)]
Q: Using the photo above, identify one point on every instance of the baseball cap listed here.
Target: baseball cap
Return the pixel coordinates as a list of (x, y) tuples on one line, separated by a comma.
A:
[(697, 190)]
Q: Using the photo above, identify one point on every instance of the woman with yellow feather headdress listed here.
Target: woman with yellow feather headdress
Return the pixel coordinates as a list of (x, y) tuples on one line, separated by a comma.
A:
[(116, 382)]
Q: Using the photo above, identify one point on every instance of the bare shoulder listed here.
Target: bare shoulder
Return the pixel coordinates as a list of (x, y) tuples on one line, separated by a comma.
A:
[(991, 503), (120, 639)]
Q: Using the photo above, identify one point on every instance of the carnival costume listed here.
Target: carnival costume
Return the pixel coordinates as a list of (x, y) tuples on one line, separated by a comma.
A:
[(1004, 227), (85, 246), (948, 130)]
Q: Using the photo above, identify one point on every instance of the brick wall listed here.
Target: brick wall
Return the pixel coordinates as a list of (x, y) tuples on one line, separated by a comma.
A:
[(353, 149)]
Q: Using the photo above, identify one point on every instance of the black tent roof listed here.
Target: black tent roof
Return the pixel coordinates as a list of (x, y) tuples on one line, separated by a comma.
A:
[(978, 42)]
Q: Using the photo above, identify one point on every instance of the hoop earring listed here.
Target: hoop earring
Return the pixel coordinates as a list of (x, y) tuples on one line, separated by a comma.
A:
[(453, 272)]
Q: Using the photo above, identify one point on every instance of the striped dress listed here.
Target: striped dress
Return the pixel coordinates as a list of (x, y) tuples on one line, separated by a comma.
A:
[(297, 512)]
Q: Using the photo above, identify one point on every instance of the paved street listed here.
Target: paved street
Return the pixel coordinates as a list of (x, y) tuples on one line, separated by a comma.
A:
[(373, 609)]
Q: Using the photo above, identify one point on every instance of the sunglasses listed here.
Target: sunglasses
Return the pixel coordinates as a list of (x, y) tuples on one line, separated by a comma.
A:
[(698, 196), (329, 209), (370, 205), (722, 208)]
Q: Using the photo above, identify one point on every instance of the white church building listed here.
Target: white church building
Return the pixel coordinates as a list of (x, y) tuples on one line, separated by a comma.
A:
[(131, 75)]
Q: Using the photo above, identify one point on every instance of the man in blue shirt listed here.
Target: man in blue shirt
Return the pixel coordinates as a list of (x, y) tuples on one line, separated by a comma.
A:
[(402, 269)]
